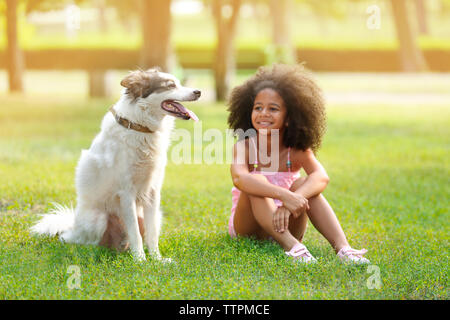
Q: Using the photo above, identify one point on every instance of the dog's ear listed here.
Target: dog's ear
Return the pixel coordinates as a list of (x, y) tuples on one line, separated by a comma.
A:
[(155, 69), (137, 83)]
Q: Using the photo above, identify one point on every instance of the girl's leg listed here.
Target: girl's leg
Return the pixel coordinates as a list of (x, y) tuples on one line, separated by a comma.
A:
[(324, 219), (297, 226), (244, 222), (263, 210), (253, 216)]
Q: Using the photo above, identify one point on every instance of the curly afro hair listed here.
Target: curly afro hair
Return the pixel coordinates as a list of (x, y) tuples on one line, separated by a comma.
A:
[(302, 97)]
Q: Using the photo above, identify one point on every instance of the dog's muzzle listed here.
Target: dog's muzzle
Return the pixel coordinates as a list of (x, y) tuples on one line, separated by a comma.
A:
[(176, 109)]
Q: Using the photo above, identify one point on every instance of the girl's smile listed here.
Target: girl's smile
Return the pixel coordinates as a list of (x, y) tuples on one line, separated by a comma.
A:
[(269, 111)]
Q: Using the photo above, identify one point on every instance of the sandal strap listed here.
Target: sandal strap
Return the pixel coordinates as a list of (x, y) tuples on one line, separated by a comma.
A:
[(349, 251), (299, 250)]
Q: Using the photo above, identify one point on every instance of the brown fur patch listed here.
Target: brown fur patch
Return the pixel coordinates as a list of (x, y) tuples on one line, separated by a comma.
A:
[(140, 84), (115, 236)]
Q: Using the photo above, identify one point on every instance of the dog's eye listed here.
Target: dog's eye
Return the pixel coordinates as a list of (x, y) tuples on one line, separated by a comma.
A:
[(171, 85)]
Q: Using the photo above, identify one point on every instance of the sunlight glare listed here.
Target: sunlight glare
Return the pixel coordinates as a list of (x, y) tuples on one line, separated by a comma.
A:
[(185, 7)]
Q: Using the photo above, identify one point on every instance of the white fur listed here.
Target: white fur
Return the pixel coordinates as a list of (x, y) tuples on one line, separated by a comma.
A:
[(122, 174)]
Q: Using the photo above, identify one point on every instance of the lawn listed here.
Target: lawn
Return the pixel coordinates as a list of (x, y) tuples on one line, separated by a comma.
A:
[(389, 187)]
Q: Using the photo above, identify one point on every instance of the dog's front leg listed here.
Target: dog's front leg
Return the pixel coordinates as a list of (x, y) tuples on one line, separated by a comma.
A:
[(130, 219), (152, 221)]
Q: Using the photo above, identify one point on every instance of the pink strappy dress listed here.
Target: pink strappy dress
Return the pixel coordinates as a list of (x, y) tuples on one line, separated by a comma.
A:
[(283, 179)]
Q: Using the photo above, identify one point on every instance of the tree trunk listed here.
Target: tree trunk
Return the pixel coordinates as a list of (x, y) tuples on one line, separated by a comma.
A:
[(281, 38), (102, 20), (14, 55), (98, 83), (156, 29), (412, 59), (224, 65), (421, 12)]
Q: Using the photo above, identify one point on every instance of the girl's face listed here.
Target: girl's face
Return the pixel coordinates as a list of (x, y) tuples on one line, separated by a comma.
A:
[(269, 111)]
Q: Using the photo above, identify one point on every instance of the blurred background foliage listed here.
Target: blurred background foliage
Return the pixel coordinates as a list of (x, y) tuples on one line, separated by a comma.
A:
[(223, 35), (319, 24)]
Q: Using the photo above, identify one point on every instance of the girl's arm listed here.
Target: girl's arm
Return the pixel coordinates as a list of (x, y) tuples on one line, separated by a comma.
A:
[(253, 184), (317, 179)]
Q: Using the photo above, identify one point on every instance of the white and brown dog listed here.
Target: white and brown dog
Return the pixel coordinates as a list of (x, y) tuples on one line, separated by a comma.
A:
[(119, 179)]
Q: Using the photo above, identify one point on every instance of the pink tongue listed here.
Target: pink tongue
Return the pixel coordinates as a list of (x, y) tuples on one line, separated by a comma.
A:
[(192, 115), (184, 109)]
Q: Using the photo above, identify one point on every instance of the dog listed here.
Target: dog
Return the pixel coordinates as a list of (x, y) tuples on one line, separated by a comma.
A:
[(119, 179)]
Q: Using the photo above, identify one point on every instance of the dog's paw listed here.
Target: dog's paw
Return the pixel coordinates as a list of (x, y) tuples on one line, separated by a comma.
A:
[(165, 260), (157, 256), (139, 256)]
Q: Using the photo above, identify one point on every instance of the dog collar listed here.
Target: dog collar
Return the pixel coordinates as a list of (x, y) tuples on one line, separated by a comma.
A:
[(128, 124)]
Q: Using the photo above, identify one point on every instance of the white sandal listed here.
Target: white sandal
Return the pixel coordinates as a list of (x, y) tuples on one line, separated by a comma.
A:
[(301, 254), (348, 254)]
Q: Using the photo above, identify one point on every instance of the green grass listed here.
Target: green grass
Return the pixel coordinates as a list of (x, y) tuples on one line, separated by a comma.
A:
[(389, 187)]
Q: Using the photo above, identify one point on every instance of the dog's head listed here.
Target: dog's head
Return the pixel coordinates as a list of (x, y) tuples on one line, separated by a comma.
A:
[(159, 93)]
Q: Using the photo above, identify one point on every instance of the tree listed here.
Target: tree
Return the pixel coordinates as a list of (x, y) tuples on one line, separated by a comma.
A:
[(421, 12), (14, 54), (97, 77), (47, 5), (283, 48), (411, 56), (226, 14), (126, 11), (155, 18), (156, 30), (324, 9)]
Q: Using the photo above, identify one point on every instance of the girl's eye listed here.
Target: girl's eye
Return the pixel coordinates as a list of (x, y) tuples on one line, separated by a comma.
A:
[(273, 109), (257, 108)]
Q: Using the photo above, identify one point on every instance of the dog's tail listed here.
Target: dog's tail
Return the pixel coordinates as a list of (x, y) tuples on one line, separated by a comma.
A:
[(57, 221)]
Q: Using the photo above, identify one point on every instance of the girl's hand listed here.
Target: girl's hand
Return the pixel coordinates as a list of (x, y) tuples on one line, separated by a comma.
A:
[(281, 219), (295, 203)]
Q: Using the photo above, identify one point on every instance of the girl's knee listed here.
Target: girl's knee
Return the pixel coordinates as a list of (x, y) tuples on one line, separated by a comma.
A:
[(316, 197), (268, 203)]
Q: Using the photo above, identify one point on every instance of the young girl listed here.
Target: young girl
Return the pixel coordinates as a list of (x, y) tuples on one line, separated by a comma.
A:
[(284, 108)]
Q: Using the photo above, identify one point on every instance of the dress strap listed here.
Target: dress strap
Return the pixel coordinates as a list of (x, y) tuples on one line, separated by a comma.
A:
[(289, 163), (255, 165)]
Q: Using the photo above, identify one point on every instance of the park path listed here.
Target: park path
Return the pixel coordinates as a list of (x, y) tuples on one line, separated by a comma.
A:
[(339, 88), (345, 88), (370, 97), (362, 98)]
